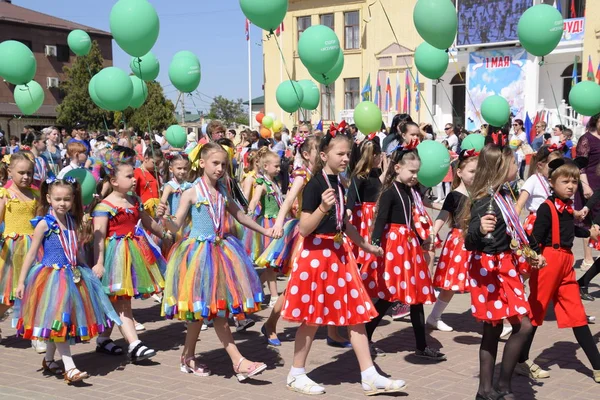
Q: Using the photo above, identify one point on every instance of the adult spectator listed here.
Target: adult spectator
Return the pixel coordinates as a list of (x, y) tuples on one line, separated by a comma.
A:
[(355, 134), (215, 130), (394, 137), (52, 155), (517, 139), (540, 131), (557, 133), (451, 138), (588, 146), (80, 135)]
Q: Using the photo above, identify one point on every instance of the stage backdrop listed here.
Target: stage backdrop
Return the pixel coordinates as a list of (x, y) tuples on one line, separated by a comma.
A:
[(496, 72), (489, 21)]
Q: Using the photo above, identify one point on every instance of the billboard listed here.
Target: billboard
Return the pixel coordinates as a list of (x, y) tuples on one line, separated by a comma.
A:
[(499, 72), (574, 29), (489, 21)]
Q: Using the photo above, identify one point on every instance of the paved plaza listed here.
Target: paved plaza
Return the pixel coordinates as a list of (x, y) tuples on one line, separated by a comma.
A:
[(336, 369)]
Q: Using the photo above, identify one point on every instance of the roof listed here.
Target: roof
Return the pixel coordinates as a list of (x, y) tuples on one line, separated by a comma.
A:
[(189, 118), (20, 15), (43, 111), (256, 101)]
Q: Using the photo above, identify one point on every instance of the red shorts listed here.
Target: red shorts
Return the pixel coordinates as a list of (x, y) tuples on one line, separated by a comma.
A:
[(556, 282)]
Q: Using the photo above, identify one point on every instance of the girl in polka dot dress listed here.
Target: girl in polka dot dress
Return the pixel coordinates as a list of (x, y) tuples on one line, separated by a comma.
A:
[(451, 274), (536, 188), (401, 274), (497, 291), (325, 286), (364, 189)]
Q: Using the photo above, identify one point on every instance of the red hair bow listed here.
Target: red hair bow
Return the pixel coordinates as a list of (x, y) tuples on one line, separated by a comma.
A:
[(412, 145), (372, 136), (470, 153), (333, 130), (555, 147), (499, 139)]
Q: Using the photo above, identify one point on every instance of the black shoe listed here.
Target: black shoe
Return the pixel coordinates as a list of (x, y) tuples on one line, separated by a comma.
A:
[(583, 291), (490, 396), (244, 324), (376, 351)]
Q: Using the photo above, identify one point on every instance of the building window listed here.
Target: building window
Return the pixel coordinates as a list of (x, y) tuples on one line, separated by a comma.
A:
[(303, 24), (351, 93), (25, 42), (327, 20), (459, 96), (351, 30), (328, 102), (62, 53), (567, 77)]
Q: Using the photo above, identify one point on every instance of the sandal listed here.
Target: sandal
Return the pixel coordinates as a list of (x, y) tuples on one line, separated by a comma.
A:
[(392, 387), (255, 369), (113, 351), (74, 375), (47, 366), (198, 370), (145, 354), (307, 388)]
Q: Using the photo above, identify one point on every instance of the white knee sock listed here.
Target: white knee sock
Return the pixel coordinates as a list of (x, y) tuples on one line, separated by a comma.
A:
[(50, 351), (438, 309), (64, 349)]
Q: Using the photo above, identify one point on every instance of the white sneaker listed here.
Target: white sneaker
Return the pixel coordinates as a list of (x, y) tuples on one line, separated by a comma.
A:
[(157, 298), (273, 301), (39, 346), (506, 331), (139, 327), (204, 327), (439, 325)]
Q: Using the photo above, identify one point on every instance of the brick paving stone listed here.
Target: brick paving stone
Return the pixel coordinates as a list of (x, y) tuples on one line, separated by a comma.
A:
[(336, 369)]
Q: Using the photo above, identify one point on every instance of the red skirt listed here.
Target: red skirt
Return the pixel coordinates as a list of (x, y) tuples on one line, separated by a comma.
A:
[(363, 217), (452, 271), (325, 287), (529, 221), (402, 274), (594, 244), (424, 227), (497, 291)]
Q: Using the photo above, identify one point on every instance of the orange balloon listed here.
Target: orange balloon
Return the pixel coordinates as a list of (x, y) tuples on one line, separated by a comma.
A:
[(259, 117), (265, 133)]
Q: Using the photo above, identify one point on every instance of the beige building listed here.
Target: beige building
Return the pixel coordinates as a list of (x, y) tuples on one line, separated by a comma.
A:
[(485, 59)]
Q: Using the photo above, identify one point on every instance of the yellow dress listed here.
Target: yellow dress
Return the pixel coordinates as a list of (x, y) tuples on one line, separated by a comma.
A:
[(16, 241)]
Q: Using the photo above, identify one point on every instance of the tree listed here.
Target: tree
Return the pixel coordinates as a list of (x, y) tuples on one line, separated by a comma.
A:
[(157, 111), (228, 111), (77, 104)]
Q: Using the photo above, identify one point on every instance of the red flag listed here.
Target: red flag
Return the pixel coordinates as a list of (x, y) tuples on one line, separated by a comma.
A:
[(247, 29), (532, 131), (573, 12), (598, 73), (280, 29)]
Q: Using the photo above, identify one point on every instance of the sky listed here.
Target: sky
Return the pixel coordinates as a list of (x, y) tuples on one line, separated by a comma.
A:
[(213, 30)]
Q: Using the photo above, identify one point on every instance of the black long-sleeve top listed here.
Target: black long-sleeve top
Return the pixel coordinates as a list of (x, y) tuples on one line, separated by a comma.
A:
[(311, 199), (474, 240), (364, 190), (391, 210), (591, 205), (542, 228), (453, 204)]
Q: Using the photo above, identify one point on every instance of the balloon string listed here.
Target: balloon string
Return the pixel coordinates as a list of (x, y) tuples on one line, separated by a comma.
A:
[(91, 76), (477, 112), (139, 60), (408, 66), (286, 69), (449, 100), (554, 95)]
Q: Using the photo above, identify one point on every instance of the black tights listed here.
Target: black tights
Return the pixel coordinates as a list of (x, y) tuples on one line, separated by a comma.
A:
[(510, 356), (590, 274), (584, 337), (417, 319)]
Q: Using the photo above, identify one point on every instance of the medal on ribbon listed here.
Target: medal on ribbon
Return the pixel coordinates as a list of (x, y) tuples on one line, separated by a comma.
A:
[(339, 209), (215, 209), (68, 241)]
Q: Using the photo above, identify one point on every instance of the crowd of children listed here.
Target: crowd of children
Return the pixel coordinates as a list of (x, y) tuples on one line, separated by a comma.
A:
[(178, 226)]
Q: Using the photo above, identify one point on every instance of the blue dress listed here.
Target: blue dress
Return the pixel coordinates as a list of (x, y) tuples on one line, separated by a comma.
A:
[(62, 301), (209, 274)]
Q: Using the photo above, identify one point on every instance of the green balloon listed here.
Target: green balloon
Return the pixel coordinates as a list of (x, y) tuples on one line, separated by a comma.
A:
[(495, 110), (540, 29), (79, 42), (86, 181), (266, 14), (29, 98), (17, 62), (367, 117), (473, 141), (267, 122), (184, 72), (140, 92), (585, 98), (436, 21), (289, 96), (176, 136), (312, 94), (319, 49), (134, 25), (113, 88), (333, 74), (435, 162), (431, 61), (92, 92), (145, 67)]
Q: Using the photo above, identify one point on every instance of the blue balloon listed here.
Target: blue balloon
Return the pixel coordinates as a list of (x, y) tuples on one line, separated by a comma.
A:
[(204, 126)]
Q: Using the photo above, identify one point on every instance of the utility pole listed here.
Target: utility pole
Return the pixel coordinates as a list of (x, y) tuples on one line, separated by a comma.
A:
[(182, 108)]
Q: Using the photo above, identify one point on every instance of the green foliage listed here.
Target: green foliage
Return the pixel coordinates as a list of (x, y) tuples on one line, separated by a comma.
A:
[(228, 111), (156, 109), (77, 104)]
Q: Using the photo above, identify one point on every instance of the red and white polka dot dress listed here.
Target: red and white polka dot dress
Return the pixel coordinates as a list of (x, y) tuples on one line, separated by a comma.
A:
[(452, 271), (402, 273), (528, 223), (424, 225), (325, 286), (594, 244), (497, 291), (363, 217)]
